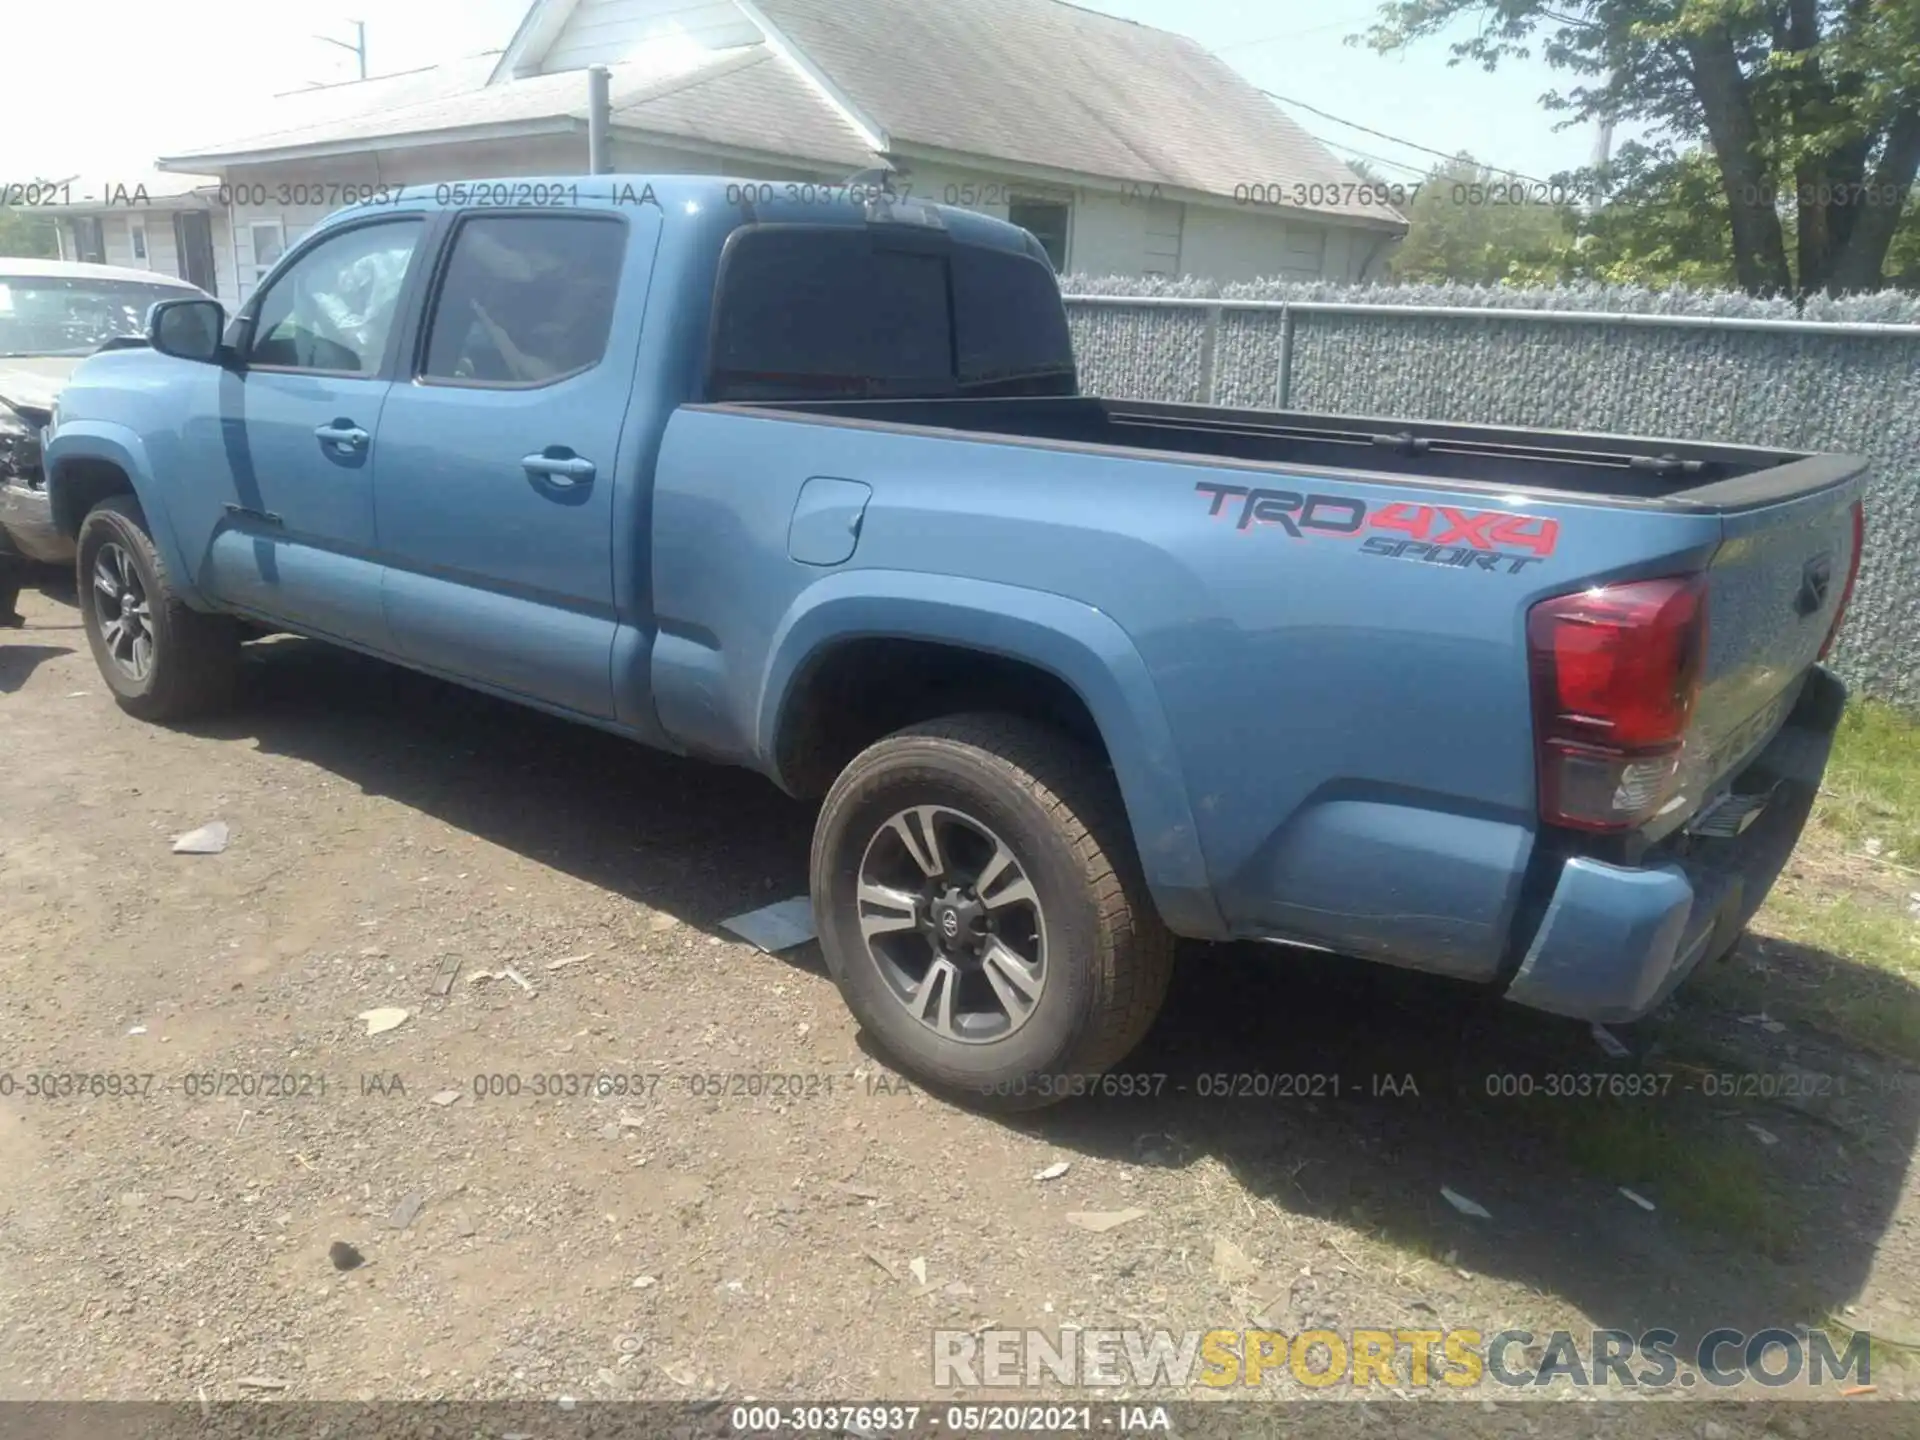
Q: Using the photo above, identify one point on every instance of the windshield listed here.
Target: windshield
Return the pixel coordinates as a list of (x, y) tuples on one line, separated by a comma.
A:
[(72, 315)]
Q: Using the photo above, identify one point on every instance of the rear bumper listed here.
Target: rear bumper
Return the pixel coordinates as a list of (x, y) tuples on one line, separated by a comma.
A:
[(26, 518), (1615, 941)]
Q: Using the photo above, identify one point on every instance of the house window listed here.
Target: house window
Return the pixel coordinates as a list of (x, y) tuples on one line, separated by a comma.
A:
[(1047, 221), (269, 240), (89, 243), (137, 233)]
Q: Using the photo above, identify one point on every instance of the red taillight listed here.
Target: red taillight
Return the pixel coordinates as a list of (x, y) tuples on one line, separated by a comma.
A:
[(1616, 672), (1853, 574)]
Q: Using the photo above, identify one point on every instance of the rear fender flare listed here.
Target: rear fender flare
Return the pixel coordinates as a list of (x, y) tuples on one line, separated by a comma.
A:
[(1074, 642)]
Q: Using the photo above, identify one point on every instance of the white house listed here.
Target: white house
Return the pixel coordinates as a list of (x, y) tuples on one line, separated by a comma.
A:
[(1127, 150), (151, 221)]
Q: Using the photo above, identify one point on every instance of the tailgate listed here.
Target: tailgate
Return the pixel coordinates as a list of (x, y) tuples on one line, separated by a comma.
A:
[(1775, 588)]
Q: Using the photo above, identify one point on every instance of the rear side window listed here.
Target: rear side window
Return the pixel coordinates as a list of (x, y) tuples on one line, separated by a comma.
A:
[(818, 313), (1013, 328), (526, 300)]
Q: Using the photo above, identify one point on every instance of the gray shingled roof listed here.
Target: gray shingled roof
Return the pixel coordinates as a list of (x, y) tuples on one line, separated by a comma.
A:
[(745, 98), (754, 101), (1050, 84)]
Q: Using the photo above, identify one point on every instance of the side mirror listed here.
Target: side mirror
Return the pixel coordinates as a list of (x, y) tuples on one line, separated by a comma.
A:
[(187, 329)]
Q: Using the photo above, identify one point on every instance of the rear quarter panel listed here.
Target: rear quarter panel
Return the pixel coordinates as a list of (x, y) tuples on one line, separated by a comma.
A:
[(1350, 729)]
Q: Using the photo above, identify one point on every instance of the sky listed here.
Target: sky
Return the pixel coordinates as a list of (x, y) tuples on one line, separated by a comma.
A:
[(146, 79)]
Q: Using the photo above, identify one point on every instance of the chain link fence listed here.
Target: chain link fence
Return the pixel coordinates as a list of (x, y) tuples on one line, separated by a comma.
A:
[(1843, 377)]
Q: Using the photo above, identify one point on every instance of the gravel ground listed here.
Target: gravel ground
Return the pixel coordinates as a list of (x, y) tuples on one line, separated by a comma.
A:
[(768, 1209)]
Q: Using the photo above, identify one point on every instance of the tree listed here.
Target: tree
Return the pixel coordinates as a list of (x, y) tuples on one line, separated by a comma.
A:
[(1808, 110), (1664, 222), (24, 232), (1469, 224)]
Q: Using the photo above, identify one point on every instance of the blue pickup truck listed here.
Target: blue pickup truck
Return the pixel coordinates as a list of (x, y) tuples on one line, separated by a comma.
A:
[(804, 481)]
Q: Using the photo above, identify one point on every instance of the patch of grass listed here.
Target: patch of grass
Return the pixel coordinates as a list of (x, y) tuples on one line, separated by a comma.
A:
[(1705, 1181), (1875, 1001), (1713, 1184), (1851, 966), (1872, 787), (1846, 925)]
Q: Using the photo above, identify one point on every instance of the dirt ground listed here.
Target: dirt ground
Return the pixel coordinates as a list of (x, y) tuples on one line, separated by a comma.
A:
[(703, 1235)]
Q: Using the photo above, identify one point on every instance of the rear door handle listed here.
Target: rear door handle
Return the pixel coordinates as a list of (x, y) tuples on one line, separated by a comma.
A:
[(559, 467), (341, 435)]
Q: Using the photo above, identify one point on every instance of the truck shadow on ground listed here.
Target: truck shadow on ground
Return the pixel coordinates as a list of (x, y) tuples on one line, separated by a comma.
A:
[(1331, 1090), (1776, 1162)]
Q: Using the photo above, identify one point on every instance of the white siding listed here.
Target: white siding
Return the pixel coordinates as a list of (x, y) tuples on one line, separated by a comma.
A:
[(119, 246), (1125, 233), (1230, 245), (163, 251), (608, 32), (1165, 227), (1120, 229)]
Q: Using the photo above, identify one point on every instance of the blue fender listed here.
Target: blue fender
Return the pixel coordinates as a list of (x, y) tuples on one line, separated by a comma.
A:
[(1074, 642), (123, 448)]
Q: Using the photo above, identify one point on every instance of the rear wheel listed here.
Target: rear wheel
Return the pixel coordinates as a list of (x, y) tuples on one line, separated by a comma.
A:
[(162, 660), (981, 909)]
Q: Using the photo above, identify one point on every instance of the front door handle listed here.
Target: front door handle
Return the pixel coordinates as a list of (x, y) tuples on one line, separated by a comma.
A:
[(341, 435), (559, 467)]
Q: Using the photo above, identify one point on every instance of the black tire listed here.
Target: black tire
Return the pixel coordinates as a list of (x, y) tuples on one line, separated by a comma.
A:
[(193, 657), (1108, 957)]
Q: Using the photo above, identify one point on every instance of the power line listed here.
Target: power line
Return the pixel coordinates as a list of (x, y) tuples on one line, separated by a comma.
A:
[(1398, 140), (1377, 159), (1294, 34)]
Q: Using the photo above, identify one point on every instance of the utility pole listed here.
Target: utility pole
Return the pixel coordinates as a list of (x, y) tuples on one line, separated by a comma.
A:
[(359, 47), (599, 120), (1603, 145), (1602, 157)]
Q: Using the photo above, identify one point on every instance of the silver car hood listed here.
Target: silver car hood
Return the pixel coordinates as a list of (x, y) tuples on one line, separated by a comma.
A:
[(30, 382)]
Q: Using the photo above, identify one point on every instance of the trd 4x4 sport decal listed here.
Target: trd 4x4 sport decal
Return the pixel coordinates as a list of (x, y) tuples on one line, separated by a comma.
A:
[(1437, 534)]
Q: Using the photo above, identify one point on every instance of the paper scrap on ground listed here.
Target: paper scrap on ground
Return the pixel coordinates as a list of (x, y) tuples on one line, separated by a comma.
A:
[(776, 927), (1099, 1221), (1464, 1205), (387, 1017), (1054, 1171), (209, 839), (1640, 1200)]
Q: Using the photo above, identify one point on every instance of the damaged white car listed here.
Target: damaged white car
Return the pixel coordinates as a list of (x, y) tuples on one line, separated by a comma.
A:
[(53, 314)]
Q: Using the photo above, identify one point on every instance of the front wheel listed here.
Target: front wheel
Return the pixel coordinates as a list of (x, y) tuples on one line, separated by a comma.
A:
[(162, 660), (981, 908)]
